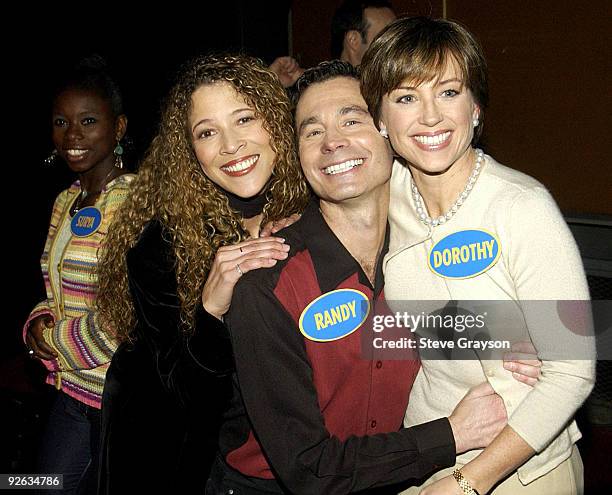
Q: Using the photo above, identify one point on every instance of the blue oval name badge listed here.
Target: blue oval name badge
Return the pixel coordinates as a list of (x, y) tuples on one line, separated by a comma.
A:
[(334, 315), (86, 221), (464, 254)]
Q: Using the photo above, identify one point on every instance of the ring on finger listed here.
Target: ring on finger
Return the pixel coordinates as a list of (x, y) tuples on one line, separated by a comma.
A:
[(238, 269)]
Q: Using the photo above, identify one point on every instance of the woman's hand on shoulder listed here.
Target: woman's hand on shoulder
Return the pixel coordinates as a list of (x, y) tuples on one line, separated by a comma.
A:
[(273, 227), (523, 362), (35, 340), (231, 262)]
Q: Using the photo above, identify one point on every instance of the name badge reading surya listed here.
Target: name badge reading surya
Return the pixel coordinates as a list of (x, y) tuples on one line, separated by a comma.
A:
[(464, 254), (86, 221), (334, 315)]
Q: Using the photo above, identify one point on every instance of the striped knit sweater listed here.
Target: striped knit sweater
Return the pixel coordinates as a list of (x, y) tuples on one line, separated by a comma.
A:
[(84, 349)]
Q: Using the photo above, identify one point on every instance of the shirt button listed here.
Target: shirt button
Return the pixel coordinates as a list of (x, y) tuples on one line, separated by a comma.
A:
[(373, 424), (378, 364), (509, 403), (491, 373)]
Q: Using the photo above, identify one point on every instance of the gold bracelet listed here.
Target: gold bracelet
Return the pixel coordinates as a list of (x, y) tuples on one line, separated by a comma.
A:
[(463, 483)]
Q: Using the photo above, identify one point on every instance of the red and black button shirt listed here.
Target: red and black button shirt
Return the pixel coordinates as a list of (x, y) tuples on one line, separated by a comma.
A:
[(320, 417)]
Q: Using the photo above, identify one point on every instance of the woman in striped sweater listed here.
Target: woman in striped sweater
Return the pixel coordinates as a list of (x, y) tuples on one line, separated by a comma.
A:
[(63, 330)]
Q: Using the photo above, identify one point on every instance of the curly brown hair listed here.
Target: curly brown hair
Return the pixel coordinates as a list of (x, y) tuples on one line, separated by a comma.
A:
[(172, 188)]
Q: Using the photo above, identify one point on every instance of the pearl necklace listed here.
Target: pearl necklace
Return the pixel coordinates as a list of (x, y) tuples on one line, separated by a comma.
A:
[(418, 200)]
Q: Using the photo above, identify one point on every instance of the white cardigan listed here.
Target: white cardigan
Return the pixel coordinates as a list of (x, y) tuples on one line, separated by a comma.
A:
[(539, 261)]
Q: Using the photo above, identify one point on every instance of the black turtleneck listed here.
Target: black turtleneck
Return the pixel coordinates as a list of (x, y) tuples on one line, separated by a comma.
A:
[(247, 207)]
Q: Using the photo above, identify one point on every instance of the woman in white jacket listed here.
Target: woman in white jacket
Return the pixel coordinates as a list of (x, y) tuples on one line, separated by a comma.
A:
[(464, 227)]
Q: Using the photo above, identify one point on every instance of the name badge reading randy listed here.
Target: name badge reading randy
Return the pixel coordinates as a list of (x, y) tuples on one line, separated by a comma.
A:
[(334, 315), (86, 221), (464, 254)]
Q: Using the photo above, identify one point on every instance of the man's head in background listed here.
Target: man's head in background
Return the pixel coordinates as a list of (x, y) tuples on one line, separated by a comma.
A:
[(355, 24)]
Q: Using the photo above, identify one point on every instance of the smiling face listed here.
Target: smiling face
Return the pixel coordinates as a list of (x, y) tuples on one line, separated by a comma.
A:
[(229, 140), (85, 131), (431, 124), (342, 154)]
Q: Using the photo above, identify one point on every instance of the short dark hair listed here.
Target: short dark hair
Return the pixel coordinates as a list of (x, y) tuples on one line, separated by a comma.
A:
[(329, 69), (349, 17), (91, 73), (417, 49)]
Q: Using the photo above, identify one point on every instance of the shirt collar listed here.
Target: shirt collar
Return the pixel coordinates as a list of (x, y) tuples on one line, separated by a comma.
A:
[(332, 261)]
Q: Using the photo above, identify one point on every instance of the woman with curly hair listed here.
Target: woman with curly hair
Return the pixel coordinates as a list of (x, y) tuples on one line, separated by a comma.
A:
[(222, 164)]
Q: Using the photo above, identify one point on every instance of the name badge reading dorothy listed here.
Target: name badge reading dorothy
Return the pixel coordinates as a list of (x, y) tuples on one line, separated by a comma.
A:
[(464, 254), (334, 315), (86, 221)]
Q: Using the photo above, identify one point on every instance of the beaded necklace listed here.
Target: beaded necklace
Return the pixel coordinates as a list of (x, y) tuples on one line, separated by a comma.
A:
[(418, 200)]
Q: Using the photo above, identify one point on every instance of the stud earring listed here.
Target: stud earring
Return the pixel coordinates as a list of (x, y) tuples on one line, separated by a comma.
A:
[(118, 151), (384, 133), (475, 122), (50, 160)]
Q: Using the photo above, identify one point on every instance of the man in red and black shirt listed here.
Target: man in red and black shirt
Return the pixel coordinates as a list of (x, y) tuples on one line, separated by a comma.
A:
[(313, 411)]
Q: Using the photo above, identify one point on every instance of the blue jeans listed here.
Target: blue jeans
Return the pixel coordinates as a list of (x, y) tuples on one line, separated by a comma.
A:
[(70, 446)]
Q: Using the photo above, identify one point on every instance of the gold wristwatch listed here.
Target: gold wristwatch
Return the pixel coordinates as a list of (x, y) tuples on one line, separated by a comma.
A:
[(463, 483)]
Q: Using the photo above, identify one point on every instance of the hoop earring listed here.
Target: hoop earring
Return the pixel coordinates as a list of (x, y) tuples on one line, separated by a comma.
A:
[(50, 160), (118, 151)]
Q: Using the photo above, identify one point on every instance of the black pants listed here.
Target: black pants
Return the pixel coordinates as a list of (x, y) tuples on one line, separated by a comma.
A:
[(224, 480)]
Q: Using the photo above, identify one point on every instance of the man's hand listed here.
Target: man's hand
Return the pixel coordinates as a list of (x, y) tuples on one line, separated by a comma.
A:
[(523, 362), (287, 69), (478, 418)]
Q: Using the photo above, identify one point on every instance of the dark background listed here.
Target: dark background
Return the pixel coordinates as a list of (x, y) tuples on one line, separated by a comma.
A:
[(144, 48), (143, 54), (550, 72), (550, 79)]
